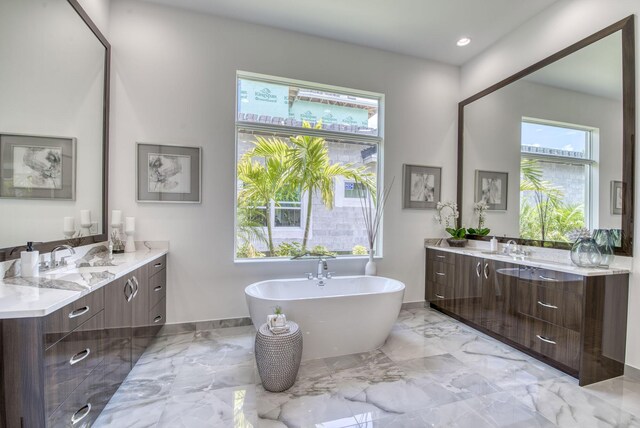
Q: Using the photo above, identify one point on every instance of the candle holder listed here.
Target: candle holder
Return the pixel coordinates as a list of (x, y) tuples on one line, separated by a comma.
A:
[(116, 239), (85, 222), (129, 230)]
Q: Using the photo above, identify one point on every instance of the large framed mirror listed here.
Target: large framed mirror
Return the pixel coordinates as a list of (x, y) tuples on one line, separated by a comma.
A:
[(548, 153), (54, 126)]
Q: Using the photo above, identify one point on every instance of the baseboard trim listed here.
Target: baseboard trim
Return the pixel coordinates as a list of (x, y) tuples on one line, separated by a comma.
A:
[(414, 305), (191, 327), (632, 372)]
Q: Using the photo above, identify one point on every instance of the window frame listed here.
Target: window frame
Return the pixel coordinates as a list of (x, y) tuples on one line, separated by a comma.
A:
[(589, 161), (347, 137)]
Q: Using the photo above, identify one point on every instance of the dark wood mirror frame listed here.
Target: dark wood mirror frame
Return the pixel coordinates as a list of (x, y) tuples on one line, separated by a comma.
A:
[(45, 247), (629, 128)]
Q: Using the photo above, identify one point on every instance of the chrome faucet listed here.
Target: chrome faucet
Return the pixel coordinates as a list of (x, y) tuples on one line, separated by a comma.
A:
[(322, 267), (507, 248), (63, 260)]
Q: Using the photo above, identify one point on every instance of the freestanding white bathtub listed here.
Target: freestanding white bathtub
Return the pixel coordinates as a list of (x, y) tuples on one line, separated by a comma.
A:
[(347, 315)]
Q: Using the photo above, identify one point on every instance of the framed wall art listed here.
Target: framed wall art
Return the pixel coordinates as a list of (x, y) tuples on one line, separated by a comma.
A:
[(617, 197), (420, 186), (167, 173), (37, 167), (492, 188)]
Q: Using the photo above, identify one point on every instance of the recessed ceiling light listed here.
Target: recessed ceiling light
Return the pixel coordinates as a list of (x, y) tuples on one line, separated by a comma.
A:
[(463, 41)]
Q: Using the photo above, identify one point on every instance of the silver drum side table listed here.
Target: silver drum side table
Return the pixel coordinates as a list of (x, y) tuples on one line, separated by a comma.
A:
[(278, 357)]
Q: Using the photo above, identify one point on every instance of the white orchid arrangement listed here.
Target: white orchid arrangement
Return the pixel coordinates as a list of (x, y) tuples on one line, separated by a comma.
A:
[(447, 214), (447, 219), (480, 209)]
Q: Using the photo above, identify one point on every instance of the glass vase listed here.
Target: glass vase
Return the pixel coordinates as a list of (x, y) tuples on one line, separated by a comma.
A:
[(604, 240), (585, 253)]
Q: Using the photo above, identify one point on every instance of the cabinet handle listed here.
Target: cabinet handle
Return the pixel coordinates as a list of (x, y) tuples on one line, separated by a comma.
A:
[(546, 305), (157, 319), (80, 356), (547, 278), (130, 296), (157, 265), (440, 273), (439, 296), (158, 288), (135, 280), (81, 311), (486, 271), (544, 339), (478, 270), (440, 257), (84, 411)]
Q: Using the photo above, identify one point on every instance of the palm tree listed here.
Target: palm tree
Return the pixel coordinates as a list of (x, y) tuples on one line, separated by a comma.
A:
[(261, 181), (546, 196), (312, 170)]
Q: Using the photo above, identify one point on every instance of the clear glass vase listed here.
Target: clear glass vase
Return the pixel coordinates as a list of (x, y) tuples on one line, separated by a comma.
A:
[(585, 253), (605, 242)]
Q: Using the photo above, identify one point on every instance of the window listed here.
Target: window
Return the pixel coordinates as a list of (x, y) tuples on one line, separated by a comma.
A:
[(354, 189), (305, 153), (557, 172)]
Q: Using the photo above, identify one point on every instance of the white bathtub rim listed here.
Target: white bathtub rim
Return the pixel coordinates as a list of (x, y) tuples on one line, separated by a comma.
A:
[(247, 289)]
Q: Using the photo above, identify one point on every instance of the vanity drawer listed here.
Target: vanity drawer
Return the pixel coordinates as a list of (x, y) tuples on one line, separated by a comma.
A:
[(157, 288), (442, 256), (551, 304), (61, 322), (555, 342), (84, 404), (69, 362), (158, 265), (442, 273), (158, 314), (565, 281)]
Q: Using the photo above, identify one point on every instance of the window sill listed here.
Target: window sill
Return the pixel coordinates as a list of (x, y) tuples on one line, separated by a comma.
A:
[(288, 260)]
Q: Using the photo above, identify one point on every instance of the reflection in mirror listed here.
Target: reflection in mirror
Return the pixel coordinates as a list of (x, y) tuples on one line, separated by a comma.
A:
[(52, 81), (557, 134)]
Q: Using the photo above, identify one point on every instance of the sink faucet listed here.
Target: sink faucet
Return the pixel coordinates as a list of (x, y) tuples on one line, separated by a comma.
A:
[(63, 260), (507, 249)]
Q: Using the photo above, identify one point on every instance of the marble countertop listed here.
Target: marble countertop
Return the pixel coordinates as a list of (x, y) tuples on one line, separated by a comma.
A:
[(37, 297), (536, 261)]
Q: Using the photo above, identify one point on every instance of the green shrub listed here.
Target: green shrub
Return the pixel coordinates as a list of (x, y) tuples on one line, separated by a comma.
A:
[(248, 251), (288, 249), (359, 250)]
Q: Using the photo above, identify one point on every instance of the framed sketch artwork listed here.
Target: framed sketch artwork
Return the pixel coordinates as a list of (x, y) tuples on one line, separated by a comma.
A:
[(420, 186), (617, 197), (492, 188), (36, 167), (168, 173)]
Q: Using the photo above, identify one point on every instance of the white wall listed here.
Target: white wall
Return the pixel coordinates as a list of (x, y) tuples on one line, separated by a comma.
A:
[(98, 11), (562, 24), (492, 143), (174, 82)]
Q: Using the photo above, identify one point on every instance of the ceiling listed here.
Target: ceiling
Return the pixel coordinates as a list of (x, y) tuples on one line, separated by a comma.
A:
[(423, 28)]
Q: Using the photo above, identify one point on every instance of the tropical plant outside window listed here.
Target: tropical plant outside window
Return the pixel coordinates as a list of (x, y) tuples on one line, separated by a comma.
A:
[(302, 151), (555, 180)]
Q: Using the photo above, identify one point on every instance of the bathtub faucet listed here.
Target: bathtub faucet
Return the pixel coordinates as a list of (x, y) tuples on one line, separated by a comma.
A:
[(322, 267)]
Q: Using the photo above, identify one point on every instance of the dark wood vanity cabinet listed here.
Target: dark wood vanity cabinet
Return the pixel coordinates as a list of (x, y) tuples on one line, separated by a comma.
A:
[(61, 370), (575, 323)]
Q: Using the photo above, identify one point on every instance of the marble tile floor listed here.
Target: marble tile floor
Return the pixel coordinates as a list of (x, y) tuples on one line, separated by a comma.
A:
[(432, 371)]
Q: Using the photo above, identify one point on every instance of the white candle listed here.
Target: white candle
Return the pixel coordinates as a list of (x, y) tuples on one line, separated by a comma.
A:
[(85, 218), (130, 224), (116, 217), (69, 224)]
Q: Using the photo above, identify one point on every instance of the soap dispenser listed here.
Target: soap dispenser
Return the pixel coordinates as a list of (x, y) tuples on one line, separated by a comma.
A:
[(29, 262), (494, 245)]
